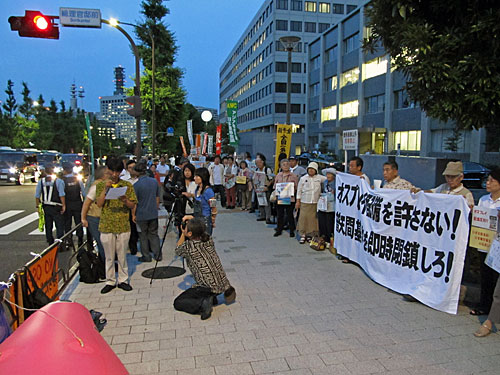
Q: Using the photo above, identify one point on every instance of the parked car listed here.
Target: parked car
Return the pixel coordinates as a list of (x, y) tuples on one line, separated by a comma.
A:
[(328, 161), (19, 167), (475, 175), (49, 158)]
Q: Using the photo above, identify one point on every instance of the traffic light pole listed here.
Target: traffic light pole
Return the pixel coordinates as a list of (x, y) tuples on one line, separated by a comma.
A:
[(137, 88)]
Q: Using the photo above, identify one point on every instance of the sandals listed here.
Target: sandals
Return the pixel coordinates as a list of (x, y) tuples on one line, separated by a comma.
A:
[(483, 331), (302, 240), (477, 312)]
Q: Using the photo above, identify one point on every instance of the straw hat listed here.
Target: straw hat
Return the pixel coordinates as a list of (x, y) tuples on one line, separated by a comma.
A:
[(453, 168)]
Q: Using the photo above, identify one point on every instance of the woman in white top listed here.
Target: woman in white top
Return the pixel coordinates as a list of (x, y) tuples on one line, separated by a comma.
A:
[(188, 172), (490, 295), (308, 193)]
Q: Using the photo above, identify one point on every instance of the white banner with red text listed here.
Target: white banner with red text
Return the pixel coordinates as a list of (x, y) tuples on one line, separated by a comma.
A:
[(411, 243)]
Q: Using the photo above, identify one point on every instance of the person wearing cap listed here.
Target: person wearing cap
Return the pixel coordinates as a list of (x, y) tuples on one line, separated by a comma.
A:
[(295, 168), (489, 301), (308, 193), (147, 192), (285, 211), (50, 193), (392, 179), (326, 209), (454, 174), (74, 191)]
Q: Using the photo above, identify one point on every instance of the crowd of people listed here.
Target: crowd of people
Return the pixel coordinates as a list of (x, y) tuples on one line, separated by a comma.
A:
[(297, 199)]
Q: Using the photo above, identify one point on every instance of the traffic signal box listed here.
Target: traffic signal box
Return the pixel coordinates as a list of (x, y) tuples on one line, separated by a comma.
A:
[(34, 24), (135, 102)]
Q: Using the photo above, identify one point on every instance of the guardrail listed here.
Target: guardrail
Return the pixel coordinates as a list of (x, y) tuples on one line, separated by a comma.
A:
[(42, 279)]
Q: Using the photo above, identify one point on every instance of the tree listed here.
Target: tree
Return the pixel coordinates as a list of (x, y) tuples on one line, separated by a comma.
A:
[(169, 95), (26, 108), (453, 141), (448, 52), (7, 120), (10, 104)]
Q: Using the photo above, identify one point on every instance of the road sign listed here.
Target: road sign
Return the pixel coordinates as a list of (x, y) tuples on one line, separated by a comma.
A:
[(170, 132), (78, 17), (350, 139)]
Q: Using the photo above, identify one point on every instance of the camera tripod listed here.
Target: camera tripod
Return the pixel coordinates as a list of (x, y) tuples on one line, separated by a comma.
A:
[(165, 272)]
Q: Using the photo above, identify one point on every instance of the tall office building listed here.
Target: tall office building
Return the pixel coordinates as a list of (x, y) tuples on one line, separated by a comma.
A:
[(113, 109), (255, 72), (348, 88)]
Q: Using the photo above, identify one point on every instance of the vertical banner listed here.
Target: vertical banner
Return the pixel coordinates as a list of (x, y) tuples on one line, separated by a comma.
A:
[(232, 116), (184, 151), (411, 243), (190, 132), (210, 144), (198, 143), (283, 142), (218, 140), (205, 143)]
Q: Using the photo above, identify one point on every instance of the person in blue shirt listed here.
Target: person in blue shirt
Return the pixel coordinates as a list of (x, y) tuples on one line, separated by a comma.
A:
[(204, 199), (50, 193)]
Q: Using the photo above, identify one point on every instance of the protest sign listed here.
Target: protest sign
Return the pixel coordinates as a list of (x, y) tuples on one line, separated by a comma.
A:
[(411, 243), (484, 227), (493, 258), (283, 143)]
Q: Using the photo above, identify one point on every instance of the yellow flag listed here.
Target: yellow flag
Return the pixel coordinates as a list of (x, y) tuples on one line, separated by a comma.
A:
[(283, 142)]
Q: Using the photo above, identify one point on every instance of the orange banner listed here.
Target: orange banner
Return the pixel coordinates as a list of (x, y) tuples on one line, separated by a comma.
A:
[(44, 271), (183, 146)]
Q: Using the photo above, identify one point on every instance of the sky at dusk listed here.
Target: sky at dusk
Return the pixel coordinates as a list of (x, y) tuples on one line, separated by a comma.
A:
[(206, 31)]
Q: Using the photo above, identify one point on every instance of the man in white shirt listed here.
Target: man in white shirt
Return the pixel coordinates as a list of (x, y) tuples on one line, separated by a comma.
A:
[(217, 179), (162, 169), (356, 168), (295, 168)]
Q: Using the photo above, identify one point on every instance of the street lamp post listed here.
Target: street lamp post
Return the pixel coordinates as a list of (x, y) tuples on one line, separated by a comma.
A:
[(289, 43), (137, 88)]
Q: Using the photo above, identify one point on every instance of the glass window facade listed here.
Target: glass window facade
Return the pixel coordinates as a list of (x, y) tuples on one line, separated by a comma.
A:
[(375, 104), (310, 6), (408, 140), (349, 109), (296, 5), (330, 84), (329, 113), (324, 7), (375, 67), (349, 77), (310, 27)]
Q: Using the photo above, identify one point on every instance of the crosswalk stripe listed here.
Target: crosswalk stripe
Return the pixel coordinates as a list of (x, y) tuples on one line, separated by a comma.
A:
[(8, 229), (10, 213)]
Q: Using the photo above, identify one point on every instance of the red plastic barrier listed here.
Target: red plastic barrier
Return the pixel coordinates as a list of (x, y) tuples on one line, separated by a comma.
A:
[(41, 345)]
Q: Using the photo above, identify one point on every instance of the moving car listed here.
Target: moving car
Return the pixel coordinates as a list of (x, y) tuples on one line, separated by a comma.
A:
[(78, 162), (475, 175), (19, 167), (49, 158)]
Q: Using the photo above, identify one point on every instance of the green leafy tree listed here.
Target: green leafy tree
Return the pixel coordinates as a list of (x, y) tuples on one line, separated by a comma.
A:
[(26, 108), (7, 119), (10, 104), (453, 141), (169, 95), (449, 53)]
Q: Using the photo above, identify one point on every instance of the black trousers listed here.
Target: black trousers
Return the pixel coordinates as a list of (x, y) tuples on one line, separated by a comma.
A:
[(489, 279), (73, 213), (53, 215), (326, 222), (285, 215), (190, 300), (134, 236), (220, 189)]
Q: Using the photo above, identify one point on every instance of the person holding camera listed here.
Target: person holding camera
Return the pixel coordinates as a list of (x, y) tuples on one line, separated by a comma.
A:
[(198, 248), (205, 205)]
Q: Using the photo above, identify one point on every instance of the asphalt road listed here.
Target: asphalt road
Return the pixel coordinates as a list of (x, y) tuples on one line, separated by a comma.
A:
[(17, 203)]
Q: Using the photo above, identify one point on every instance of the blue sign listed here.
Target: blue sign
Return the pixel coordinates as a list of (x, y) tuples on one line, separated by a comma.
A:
[(170, 131)]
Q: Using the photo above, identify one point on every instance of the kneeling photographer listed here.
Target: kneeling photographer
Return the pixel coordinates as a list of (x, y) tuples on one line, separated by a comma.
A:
[(198, 248), (175, 196)]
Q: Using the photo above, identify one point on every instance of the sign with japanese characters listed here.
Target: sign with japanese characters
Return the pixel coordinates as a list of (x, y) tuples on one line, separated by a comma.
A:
[(484, 227), (411, 243), (350, 139), (283, 142), (190, 132), (232, 116), (78, 17), (218, 140)]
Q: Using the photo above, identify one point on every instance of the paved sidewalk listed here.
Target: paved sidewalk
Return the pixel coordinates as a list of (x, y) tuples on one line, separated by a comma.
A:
[(297, 312)]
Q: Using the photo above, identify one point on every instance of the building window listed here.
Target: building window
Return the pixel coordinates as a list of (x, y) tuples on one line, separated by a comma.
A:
[(296, 88), (310, 6), (330, 84), (313, 116), (329, 113), (282, 4), (297, 68), (350, 8), (407, 141), (375, 67), (324, 7), (338, 8), (295, 108), (296, 5), (281, 67), (331, 54), (375, 104), (350, 77), (296, 26), (314, 90), (315, 63), (322, 27), (310, 27), (351, 43), (280, 87), (282, 25), (349, 109), (402, 100)]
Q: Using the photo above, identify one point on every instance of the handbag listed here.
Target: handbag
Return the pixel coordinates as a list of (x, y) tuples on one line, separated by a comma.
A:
[(274, 196), (318, 243), (241, 180), (35, 299)]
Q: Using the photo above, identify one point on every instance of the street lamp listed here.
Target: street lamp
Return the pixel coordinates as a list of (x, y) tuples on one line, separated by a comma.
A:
[(137, 89), (289, 43)]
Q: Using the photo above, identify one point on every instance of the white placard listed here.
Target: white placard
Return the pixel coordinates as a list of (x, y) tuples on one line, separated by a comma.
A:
[(350, 139), (115, 193), (485, 218), (493, 258), (411, 243)]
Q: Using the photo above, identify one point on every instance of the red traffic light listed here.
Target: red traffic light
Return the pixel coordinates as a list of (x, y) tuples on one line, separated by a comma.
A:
[(135, 102), (34, 24)]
